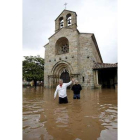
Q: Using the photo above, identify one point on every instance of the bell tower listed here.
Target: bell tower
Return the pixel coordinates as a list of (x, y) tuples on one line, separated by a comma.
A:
[(67, 19)]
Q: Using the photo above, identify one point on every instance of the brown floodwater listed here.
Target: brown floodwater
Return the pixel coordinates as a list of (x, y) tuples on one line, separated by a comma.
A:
[(93, 117)]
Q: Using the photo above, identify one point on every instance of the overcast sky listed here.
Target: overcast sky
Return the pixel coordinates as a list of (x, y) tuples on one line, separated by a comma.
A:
[(93, 16)]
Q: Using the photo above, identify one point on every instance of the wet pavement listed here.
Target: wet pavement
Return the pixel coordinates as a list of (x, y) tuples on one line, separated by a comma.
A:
[(93, 117)]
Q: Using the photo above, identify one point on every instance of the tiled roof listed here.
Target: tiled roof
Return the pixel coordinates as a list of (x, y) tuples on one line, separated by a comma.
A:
[(104, 65)]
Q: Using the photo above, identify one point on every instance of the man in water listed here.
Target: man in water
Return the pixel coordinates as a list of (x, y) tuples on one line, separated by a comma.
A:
[(76, 90), (61, 89)]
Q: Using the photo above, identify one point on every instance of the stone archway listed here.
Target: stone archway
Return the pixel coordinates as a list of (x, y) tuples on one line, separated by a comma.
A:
[(61, 69)]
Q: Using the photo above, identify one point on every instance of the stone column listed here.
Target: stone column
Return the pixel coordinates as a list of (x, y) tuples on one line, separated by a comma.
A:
[(51, 81), (97, 77), (92, 81), (65, 21), (55, 80), (48, 82), (94, 77)]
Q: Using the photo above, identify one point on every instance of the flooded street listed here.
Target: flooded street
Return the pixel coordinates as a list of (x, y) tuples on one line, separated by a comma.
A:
[(93, 117)]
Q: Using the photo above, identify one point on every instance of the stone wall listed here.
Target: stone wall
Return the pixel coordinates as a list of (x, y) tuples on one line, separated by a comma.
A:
[(86, 57), (51, 58)]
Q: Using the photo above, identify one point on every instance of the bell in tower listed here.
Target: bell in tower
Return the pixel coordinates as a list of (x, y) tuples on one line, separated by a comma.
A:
[(66, 19), (69, 19), (61, 22)]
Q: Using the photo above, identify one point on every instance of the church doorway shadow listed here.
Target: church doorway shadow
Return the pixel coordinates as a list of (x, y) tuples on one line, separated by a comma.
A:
[(108, 77), (66, 78)]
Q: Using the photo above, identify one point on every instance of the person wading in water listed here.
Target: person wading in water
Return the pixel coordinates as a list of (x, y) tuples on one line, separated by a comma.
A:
[(76, 90), (61, 89)]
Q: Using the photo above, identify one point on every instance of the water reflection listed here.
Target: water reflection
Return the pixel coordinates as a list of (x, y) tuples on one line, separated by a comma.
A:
[(93, 117), (62, 118), (108, 116)]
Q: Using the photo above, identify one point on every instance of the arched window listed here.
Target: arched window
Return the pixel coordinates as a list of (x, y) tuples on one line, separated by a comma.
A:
[(61, 22), (62, 46), (69, 21)]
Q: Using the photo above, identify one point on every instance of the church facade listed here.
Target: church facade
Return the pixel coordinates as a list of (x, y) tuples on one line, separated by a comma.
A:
[(70, 53)]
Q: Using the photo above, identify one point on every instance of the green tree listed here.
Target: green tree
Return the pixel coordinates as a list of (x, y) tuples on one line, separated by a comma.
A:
[(33, 68)]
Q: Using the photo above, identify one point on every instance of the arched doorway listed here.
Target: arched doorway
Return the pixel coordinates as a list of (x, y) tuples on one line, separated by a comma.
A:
[(65, 76), (61, 70)]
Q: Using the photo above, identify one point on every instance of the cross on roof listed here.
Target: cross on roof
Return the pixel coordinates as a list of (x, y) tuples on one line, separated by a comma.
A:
[(65, 5)]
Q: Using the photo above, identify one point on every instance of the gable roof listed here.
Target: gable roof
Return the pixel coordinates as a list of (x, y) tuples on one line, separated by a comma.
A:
[(66, 10), (104, 65), (60, 30), (96, 45), (45, 45)]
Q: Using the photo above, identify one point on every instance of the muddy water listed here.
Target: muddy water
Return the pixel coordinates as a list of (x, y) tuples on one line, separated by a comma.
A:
[(93, 117)]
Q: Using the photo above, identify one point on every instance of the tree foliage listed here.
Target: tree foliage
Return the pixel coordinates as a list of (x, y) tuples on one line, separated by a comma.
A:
[(33, 68)]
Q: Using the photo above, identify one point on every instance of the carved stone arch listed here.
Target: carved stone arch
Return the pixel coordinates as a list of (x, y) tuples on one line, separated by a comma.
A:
[(58, 71), (59, 66)]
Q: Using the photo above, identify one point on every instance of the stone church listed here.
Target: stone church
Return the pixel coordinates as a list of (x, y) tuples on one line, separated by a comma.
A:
[(70, 53)]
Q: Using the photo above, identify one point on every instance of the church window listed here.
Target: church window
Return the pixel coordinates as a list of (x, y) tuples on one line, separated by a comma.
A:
[(62, 46), (69, 20), (61, 22)]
